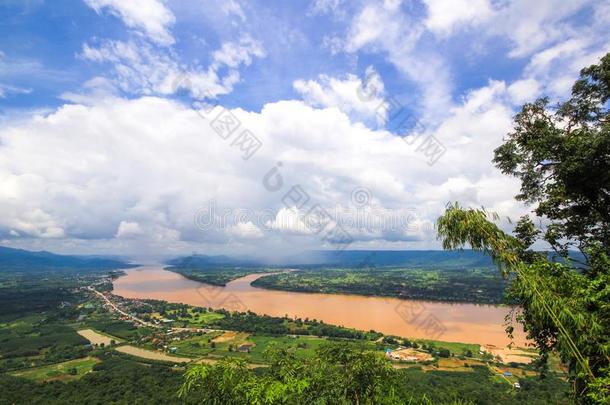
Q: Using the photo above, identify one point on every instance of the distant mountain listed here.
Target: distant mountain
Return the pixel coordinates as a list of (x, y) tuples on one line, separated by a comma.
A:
[(204, 261), (19, 260), (350, 258)]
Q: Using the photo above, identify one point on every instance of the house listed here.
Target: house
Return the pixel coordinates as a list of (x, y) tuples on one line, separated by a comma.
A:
[(517, 385), (244, 348), (173, 349)]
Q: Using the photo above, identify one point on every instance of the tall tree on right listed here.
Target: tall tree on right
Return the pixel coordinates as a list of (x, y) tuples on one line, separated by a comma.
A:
[(561, 155)]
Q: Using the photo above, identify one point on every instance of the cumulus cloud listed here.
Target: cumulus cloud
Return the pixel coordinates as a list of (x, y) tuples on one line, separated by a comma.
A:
[(289, 220), (523, 91), (78, 173), (361, 99), (128, 229), (245, 230), (445, 15), (151, 17)]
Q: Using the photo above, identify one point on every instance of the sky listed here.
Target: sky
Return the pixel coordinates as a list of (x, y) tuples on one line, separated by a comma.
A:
[(152, 127)]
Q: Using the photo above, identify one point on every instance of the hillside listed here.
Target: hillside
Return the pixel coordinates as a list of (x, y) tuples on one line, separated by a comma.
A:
[(24, 261)]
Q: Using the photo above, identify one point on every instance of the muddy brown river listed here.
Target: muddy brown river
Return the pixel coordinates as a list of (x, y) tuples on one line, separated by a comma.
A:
[(469, 323)]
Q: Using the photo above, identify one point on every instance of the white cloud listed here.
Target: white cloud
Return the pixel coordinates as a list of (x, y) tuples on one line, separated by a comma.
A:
[(328, 6), (64, 174), (232, 7), (233, 54), (523, 91), (142, 69), (289, 220), (6, 90), (541, 61), (128, 229), (531, 26), (150, 16), (245, 230), (386, 29), (445, 15), (557, 67), (361, 99)]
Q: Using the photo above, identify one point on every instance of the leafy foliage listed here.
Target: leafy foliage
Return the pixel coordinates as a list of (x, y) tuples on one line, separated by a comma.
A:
[(340, 374), (563, 162), (562, 158)]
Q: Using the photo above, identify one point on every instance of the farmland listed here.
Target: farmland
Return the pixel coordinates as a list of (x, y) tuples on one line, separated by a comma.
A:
[(474, 285)]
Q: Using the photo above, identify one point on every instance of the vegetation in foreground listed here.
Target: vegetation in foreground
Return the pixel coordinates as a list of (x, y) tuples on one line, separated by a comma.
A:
[(562, 158), (340, 374)]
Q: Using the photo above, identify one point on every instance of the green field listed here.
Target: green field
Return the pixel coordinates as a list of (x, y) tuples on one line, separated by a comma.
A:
[(66, 371), (219, 276), (454, 347), (39, 344), (188, 317), (477, 285)]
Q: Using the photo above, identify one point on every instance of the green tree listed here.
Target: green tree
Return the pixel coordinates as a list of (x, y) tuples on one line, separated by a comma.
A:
[(337, 375), (562, 157)]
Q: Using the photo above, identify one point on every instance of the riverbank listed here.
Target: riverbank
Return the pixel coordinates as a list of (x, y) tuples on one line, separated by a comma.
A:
[(469, 323)]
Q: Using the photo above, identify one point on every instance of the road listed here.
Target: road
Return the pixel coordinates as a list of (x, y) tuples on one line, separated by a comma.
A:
[(143, 322), (120, 311)]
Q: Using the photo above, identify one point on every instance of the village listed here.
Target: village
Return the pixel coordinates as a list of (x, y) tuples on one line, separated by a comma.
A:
[(181, 333)]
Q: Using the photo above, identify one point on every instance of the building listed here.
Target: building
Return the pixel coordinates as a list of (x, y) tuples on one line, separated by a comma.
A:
[(245, 348)]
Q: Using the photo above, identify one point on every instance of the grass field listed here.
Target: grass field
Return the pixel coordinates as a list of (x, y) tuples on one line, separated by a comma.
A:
[(194, 319), (66, 371), (97, 338), (455, 364), (150, 354), (215, 345), (454, 347)]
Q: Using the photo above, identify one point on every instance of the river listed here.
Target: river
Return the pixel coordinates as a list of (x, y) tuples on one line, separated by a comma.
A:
[(468, 323)]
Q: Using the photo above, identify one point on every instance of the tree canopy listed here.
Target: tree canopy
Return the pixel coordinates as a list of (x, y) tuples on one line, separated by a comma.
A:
[(561, 155)]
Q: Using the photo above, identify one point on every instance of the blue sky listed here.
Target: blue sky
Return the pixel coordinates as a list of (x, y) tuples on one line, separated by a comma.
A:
[(291, 70), (42, 44)]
